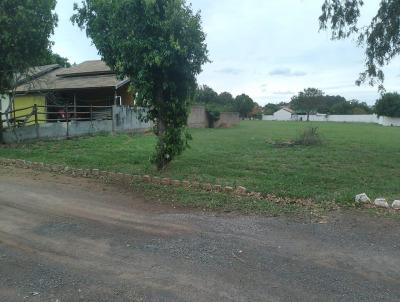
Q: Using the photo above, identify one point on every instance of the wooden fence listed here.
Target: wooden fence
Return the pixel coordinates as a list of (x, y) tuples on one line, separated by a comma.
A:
[(50, 114)]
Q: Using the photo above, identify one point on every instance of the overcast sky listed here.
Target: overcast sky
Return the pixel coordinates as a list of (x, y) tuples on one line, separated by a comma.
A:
[(268, 49)]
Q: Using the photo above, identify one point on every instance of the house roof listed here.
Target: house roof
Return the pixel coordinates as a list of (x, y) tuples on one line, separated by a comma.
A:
[(287, 109), (89, 74), (86, 68), (35, 72)]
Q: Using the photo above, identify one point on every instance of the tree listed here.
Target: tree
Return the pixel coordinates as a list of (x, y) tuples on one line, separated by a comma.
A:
[(225, 98), (307, 101), (25, 29), (160, 46), (244, 105), (388, 105), (381, 37), (54, 58), (205, 95), (256, 112), (271, 108)]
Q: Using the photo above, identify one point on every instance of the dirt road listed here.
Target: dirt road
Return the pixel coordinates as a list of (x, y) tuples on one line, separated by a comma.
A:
[(65, 239)]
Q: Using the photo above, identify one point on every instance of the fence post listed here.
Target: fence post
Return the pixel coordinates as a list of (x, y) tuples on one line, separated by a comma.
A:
[(91, 113), (67, 119), (35, 112)]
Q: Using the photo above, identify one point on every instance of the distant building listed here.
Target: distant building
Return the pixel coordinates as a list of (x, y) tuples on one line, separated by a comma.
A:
[(284, 114)]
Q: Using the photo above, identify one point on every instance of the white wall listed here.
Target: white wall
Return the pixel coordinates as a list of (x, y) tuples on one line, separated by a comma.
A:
[(361, 118), (282, 115), (268, 118), (4, 102), (389, 121)]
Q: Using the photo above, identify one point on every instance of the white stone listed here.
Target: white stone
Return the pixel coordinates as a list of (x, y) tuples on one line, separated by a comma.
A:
[(382, 203), (362, 198), (396, 205)]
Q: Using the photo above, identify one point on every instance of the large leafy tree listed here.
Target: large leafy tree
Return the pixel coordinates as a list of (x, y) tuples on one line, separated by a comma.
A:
[(388, 105), (160, 46), (307, 101), (54, 58), (381, 37), (205, 95), (25, 29), (244, 105)]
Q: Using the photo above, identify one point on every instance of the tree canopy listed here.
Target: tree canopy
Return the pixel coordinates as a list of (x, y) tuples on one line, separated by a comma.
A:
[(54, 58), (388, 105), (245, 105), (307, 100), (160, 46), (25, 30), (381, 37), (224, 101)]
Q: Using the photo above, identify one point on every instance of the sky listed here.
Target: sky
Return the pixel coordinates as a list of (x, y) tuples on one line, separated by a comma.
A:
[(268, 49)]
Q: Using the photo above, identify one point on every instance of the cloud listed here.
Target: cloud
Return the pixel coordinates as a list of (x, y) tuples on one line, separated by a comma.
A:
[(229, 70), (287, 72), (283, 92)]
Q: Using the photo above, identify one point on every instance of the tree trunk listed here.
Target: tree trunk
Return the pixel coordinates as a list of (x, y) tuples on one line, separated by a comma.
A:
[(161, 160), (308, 116)]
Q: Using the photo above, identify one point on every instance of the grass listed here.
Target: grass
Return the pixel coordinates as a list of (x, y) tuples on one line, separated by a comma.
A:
[(213, 201), (352, 159)]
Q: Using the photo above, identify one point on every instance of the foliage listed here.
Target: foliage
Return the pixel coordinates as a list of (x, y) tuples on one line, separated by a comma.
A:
[(309, 137), (205, 95), (244, 105), (381, 37), (256, 112), (388, 105), (347, 163), (271, 108), (25, 29), (327, 104), (307, 101), (160, 46), (212, 117), (54, 58), (350, 107)]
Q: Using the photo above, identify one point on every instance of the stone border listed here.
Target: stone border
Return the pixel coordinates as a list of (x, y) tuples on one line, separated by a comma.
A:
[(127, 179), (124, 178)]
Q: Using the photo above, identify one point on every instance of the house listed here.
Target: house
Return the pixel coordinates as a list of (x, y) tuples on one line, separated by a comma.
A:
[(51, 87), (284, 114)]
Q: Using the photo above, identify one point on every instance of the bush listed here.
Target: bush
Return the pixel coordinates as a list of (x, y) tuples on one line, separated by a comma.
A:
[(212, 116), (309, 137), (388, 105)]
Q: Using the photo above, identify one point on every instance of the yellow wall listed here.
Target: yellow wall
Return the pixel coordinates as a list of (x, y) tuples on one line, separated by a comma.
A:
[(28, 101)]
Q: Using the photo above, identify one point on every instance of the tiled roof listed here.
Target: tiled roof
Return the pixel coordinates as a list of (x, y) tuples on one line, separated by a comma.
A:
[(89, 74), (87, 67)]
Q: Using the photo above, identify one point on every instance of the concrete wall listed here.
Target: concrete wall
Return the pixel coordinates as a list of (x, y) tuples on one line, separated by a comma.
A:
[(389, 121), (268, 118), (361, 118), (198, 117), (4, 103), (227, 119), (125, 119)]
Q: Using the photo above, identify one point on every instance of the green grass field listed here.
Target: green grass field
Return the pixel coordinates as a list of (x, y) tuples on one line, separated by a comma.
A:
[(354, 158)]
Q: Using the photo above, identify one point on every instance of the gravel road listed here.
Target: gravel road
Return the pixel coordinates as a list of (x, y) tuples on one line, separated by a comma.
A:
[(66, 239)]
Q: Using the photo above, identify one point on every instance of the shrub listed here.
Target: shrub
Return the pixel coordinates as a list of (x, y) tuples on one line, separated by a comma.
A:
[(212, 116), (309, 137)]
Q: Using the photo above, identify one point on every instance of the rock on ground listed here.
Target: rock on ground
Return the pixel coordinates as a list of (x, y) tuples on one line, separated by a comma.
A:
[(362, 198), (381, 202), (396, 205)]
